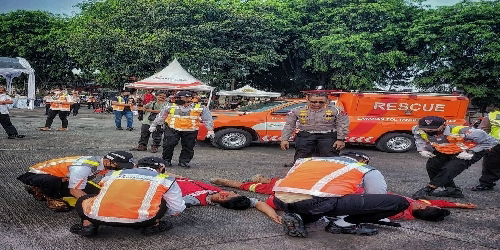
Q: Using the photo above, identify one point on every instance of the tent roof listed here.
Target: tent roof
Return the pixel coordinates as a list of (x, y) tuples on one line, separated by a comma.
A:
[(173, 77), (10, 63), (248, 91)]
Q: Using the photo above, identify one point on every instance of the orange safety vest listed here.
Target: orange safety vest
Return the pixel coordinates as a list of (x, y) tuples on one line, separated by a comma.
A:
[(117, 107), (189, 122), (324, 177), (60, 167), (56, 105), (128, 196), (451, 144)]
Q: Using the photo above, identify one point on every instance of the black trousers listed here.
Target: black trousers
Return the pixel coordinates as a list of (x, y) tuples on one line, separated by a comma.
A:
[(7, 124), (171, 139), (359, 208), (47, 108), (75, 107), (145, 134), (79, 209), (52, 186), (306, 144), (491, 167), (90, 104), (443, 168), (63, 115)]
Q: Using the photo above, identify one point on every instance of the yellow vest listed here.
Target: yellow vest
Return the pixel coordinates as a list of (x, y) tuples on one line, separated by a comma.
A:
[(494, 118), (189, 122), (118, 107), (454, 143)]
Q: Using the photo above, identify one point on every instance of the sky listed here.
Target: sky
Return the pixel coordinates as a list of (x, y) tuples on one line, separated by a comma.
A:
[(66, 6)]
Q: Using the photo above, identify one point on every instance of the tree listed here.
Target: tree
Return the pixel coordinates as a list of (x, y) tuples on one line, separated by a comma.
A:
[(459, 48), (37, 36), (216, 42)]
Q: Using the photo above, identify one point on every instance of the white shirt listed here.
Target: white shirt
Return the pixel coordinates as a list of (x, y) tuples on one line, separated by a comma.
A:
[(4, 107), (173, 197)]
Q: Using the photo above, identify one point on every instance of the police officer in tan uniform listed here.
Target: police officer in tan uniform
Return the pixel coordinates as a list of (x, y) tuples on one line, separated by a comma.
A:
[(322, 128)]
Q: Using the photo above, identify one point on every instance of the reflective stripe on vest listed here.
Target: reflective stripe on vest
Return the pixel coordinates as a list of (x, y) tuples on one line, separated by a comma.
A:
[(450, 144), (60, 106), (494, 118), (128, 196), (324, 177), (56, 167), (118, 107), (189, 122)]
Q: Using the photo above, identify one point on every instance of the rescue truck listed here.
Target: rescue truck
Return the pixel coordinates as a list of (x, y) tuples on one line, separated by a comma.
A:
[(382, 119)]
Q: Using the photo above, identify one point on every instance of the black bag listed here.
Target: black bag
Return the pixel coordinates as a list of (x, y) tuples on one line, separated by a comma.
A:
[(152, 116)]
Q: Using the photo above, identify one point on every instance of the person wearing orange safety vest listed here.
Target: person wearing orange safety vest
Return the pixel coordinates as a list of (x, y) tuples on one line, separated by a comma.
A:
[(60, 104), (327, 186), (182, 120), (451, 150), (122, 107), (62, 177), (136, 198), (491, 161)]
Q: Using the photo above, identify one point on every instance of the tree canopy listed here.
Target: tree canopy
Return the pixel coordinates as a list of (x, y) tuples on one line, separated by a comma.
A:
[(279, 45)]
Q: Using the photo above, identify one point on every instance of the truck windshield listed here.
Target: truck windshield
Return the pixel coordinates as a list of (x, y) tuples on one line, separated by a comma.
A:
[(262, 106)]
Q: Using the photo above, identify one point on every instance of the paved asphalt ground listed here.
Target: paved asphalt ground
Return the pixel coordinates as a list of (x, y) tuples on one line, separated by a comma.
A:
[(27, 224)]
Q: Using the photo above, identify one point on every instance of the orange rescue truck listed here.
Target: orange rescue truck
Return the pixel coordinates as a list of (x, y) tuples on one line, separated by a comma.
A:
[(383, 119)]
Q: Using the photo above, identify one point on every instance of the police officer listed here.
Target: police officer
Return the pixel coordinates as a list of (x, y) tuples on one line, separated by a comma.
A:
[(322, 128), (182, 120), (491, 161), (451, 150)]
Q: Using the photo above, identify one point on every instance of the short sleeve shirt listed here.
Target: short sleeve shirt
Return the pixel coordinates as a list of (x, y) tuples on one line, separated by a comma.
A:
[(78, 176), (4, 108)]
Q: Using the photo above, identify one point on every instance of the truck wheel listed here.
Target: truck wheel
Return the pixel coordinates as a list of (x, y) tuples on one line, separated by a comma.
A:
[(396, 143), (232, 138)]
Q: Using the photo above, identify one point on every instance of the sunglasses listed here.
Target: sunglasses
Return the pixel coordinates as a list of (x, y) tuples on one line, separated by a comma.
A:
[(316, 102)]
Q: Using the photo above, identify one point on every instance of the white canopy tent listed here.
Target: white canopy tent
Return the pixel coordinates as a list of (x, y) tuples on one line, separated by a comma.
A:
[(248, 91), (13, 67), (173, 77)]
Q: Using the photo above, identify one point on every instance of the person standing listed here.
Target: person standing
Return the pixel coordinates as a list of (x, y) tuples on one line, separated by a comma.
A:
[(450, 150), (76, 103), (122, 106), (182, 122), (136, 198), (60, 104), (491, 161), (4, 115), (322, 128), (151, 111)]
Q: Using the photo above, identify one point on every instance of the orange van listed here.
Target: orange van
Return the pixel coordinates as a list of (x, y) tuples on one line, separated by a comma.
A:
[(383, 119)]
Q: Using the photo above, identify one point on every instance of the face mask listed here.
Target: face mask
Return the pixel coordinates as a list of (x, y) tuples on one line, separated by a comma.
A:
[(433, 133), (180, 102), (125, 95), (162, 171)]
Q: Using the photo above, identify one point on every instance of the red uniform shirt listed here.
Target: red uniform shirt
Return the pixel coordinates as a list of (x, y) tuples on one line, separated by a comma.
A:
[(261, 188), (408, 213), (197, 189)]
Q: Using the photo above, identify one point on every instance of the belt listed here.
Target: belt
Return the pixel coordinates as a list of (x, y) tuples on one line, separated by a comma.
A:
[(319, 132)]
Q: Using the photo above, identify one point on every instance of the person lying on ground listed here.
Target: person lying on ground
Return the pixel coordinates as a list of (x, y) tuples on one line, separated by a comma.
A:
[(429, 210)]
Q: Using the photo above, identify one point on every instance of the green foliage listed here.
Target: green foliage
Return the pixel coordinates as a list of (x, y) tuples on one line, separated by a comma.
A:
[(459, 47), (137, 38), (37, 36), (279, 45)]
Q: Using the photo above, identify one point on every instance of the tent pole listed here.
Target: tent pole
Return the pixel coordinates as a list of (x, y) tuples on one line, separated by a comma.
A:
[(209, 99)]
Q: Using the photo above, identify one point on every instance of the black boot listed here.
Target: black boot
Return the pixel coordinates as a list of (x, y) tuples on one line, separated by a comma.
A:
[(86, 231), (422, 193), (453, 192), (355, 229), (162, 226), (293, 225)]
